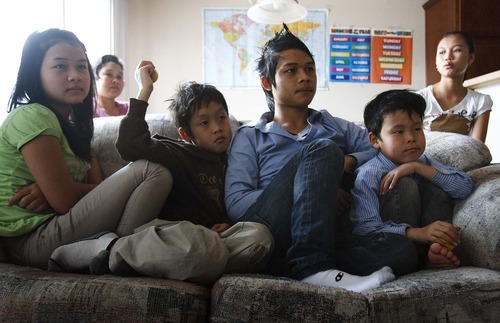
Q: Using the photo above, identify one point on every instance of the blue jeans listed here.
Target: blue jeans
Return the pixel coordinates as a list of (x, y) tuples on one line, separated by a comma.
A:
[(418, 204), (362, 255), (298, 207), (415, 203)]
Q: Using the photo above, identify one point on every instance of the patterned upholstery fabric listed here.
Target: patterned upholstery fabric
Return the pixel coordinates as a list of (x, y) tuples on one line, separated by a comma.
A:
[(465, 294), (460, 295), (478, 216), (254, 298), (28, 294)]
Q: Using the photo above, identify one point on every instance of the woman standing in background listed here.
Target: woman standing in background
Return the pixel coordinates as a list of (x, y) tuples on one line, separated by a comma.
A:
[(451, 107)]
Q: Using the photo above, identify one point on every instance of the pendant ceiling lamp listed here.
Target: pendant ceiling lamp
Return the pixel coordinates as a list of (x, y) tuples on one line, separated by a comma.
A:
[(274, 12)]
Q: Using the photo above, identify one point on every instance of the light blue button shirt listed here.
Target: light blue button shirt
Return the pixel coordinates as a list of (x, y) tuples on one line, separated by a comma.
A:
[(259, 150), (365, 207)]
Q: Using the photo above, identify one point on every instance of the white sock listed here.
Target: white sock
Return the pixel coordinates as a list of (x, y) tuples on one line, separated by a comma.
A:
[(77, 256), (360, 284)]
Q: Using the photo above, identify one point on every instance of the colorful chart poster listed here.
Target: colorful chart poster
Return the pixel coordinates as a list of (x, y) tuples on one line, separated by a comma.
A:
[(350, 55), (391, 56)]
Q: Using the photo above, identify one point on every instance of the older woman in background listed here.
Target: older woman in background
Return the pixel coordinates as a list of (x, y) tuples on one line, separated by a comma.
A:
[(109, 84)]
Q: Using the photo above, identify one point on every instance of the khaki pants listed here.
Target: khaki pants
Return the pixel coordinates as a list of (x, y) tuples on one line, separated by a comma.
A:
[(189, 252), (132, 196)]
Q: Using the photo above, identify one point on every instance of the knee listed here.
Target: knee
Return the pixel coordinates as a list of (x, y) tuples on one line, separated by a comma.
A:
[(159, 170), (166, 177), (161, 174), (407, 184), (325, 144), (405, 194), (327, 148)]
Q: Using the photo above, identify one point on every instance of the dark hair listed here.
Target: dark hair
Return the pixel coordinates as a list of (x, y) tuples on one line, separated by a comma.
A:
[(104, 60), (29, 89), (266, 64), (388, 102), (189, 98), (465, 36)]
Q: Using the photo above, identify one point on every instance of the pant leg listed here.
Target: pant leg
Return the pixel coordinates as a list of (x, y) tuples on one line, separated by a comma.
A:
[(298, 206), (437, 205), (410, 202), (152, 186), (371, 252), (131, 197), (250, 246), (402, 203), (362, 255), (171, 249)]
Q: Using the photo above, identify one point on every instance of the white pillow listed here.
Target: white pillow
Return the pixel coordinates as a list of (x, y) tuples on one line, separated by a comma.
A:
[(456, 150)]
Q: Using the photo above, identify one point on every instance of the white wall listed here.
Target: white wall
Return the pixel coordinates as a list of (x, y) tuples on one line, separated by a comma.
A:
[(42, 14), (169, 32)]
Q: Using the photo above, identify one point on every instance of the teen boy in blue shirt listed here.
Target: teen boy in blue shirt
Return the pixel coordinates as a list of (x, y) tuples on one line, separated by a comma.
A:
[(285, 170)]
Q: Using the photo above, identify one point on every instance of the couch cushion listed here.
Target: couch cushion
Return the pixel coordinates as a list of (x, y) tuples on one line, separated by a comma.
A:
[(254, 298), (106, 133), (28, 294), (479, 219), (457, 150), (466, 294)]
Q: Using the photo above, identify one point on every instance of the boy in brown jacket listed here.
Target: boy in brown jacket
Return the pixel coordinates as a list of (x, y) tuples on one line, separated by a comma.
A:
[(194, 239)]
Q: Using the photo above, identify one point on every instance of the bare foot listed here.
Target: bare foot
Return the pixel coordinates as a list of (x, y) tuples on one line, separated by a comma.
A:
[(442, 258)]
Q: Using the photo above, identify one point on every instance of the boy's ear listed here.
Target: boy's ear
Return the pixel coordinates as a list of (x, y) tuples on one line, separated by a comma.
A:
[(184, 134), (264, 81), (373, 140)]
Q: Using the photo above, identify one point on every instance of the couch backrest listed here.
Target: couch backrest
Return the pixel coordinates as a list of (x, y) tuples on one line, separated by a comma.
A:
[(451, 149), (106, 133)]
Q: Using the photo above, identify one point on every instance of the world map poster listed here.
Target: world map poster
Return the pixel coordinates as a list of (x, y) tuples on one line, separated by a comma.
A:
[(232, 43)]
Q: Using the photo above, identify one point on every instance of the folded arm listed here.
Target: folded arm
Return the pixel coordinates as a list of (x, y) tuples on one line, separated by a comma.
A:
[(45, 161)]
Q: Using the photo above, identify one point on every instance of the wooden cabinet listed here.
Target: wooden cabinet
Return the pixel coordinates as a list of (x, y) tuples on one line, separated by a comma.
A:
[(479, 18)]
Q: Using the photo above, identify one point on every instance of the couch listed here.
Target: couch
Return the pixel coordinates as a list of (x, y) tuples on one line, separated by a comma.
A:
[(470, 293)]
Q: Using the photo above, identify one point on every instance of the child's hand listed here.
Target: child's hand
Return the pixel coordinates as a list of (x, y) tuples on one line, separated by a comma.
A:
[(220, 227), (391, 178), (144, 74), (30, 198), (444, 233)]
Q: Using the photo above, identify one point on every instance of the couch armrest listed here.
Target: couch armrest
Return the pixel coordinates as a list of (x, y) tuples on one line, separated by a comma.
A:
[(479, 219)]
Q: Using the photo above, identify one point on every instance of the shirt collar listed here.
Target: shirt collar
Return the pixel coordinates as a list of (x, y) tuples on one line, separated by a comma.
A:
[(266, 123)]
